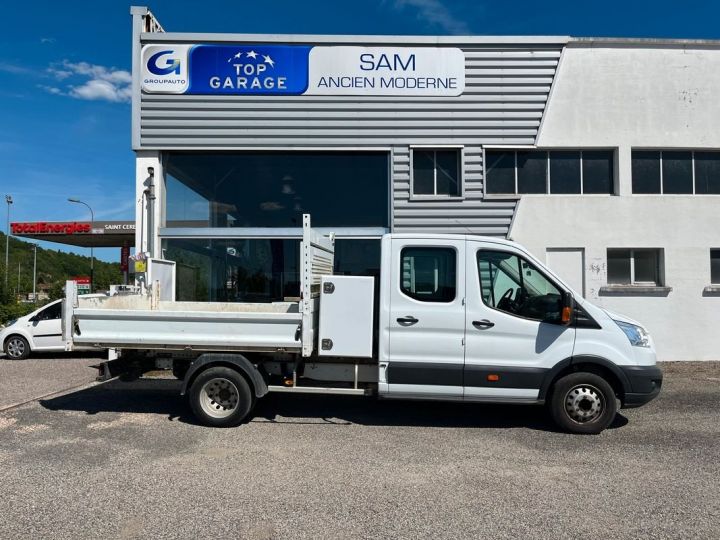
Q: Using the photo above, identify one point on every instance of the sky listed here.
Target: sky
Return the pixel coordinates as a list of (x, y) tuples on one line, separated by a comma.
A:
[(65, 73)]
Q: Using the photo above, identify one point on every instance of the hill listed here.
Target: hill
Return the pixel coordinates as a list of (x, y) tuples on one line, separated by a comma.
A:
[(53, 269)]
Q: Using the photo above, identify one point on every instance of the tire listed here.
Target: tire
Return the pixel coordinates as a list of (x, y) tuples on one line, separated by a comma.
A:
[(220, 397), (17, 348), (583, 403)]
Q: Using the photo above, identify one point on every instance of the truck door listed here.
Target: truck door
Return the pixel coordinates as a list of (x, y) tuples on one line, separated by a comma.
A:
[(426, 318), (514, 335)]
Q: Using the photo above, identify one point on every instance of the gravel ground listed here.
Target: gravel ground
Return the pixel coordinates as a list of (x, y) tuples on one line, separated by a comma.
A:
[(41, 375), (125, 460)]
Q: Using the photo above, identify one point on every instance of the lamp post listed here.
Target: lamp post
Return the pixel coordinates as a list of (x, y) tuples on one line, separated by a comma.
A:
[(34, 273), (9, 201), (92, 258)]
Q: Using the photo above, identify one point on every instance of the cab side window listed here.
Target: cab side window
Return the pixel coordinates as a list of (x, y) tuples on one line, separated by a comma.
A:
[(511, 284), (50, 313), (428, 274)]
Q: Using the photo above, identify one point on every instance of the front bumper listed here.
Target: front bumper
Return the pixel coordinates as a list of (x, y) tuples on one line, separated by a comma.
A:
[(645, 383)]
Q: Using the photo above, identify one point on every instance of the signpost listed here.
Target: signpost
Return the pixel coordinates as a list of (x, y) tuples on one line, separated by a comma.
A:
[(83, 284)]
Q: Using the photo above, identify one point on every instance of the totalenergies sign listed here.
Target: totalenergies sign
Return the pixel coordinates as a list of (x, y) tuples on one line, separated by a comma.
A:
[(41, 227)]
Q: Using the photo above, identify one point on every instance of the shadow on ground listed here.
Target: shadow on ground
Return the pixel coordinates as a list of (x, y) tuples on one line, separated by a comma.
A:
[(163, 397)]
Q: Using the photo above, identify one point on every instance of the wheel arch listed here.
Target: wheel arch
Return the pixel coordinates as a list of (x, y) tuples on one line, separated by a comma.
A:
[(19, 334), (592, 364), (238, 362)]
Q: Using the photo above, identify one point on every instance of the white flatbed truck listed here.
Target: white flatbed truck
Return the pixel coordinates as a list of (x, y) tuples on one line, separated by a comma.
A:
[(459, 317)]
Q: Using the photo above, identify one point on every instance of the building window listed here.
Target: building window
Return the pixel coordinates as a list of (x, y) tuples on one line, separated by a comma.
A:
[(715, 266), (437, 172), (675, 172), (428, 273), (634, 267), (557, 172)]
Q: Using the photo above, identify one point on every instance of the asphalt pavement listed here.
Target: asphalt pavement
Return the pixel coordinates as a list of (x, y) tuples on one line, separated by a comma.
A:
[(41, 375), (126, 460)]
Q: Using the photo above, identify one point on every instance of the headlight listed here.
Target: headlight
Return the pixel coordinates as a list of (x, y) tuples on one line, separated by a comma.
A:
[(637, 335), (10, 323)]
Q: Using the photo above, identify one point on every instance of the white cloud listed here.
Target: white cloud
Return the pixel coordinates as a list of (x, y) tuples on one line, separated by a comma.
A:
[(49, 40), (435, 13), (60, 74), (91, 81), (97, 89), (15, 69), (50, 89)]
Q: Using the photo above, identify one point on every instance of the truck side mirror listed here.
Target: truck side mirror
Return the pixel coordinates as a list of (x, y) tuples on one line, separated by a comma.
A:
[(567, 309)]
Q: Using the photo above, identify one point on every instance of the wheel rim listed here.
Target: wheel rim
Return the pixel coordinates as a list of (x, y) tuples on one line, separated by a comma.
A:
[(219, 397), (15, 348), (584, 403)]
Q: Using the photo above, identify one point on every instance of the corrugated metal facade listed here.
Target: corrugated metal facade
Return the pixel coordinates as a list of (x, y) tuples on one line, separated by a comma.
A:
[(507, 87)]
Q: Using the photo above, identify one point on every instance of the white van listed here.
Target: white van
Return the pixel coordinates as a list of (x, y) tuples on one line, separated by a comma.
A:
[(459, 317), (39, 331)]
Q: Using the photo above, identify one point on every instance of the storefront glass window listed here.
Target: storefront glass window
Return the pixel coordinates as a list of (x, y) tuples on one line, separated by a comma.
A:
[(274, 189), (256, 270)]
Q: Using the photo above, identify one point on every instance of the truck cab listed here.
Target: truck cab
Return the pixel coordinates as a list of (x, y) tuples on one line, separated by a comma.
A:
[(480, 319)]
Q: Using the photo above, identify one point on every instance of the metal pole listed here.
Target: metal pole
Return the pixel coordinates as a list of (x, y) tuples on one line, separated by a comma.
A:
[(92, 255), (35, 273), (9, 201)]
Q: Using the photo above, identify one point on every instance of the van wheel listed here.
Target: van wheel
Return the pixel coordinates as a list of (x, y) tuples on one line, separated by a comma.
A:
[(17, 348), (220, 397), (583, 403)]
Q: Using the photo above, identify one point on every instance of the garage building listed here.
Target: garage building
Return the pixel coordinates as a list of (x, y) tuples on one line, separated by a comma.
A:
[(602, 156)]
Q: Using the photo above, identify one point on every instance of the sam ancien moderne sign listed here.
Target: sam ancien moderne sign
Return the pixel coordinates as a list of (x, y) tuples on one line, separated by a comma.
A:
[(303, 70)]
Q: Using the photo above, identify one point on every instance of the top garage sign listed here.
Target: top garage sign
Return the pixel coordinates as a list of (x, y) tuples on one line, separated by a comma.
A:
[(302, 70)]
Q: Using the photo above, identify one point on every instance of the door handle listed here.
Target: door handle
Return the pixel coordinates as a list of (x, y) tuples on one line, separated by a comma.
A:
[(483, 323), (408, 320)]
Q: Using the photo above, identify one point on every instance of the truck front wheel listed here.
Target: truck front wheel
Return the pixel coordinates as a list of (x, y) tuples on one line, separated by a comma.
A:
[(220, 397), (583, 403)]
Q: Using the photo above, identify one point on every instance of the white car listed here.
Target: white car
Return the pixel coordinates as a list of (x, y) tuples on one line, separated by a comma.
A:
[(40, 331)]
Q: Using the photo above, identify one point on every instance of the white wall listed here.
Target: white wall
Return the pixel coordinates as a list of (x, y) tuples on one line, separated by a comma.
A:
[(615, 95), (624, 97)]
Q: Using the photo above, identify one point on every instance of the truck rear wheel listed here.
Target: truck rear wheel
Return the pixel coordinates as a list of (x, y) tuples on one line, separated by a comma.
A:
[(583, 403), (220, 397)]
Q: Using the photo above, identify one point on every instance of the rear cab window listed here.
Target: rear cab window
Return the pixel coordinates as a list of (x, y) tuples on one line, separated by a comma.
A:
[(429, 274)]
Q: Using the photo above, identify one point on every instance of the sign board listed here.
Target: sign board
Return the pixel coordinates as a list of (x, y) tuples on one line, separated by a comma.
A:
[(72, 227), (263, 69), (42, 227), (124, 254), (83, 284), (138, 263)]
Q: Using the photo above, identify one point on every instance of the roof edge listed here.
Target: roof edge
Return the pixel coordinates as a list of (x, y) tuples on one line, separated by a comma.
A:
[(643, 42), (352, 39)]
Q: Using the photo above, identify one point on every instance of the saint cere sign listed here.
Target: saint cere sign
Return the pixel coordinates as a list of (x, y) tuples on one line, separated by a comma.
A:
[(303, 70)]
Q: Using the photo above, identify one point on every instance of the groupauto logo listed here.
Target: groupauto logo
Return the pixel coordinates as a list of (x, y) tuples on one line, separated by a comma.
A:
[(172, 65)]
